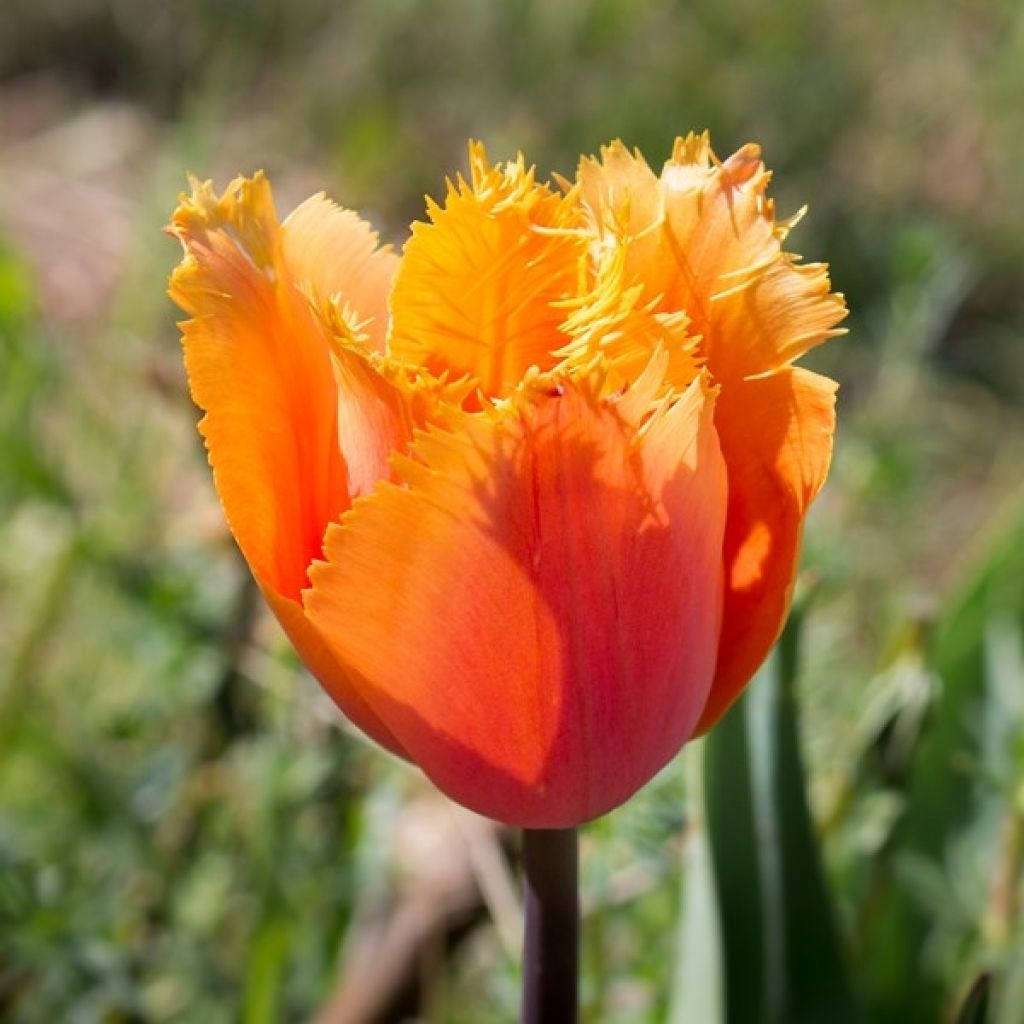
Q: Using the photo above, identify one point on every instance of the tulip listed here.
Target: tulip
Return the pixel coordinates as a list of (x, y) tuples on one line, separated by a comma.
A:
[(528, 498)]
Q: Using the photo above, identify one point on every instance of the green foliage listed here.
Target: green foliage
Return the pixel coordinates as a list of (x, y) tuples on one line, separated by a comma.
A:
[(960, 795)]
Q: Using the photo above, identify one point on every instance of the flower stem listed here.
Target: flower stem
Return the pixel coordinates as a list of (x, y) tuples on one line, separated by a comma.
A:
[(551, 939)]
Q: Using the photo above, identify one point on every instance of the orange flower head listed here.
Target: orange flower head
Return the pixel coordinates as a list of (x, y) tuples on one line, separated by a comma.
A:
[(527, 499)]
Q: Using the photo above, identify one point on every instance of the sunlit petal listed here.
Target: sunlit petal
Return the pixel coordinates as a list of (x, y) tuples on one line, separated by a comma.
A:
[(477, 290), (755, 306), (703, 240)]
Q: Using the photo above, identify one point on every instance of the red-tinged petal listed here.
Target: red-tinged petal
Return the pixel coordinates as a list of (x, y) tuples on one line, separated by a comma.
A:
[(339, 254), (477, 288), (776, 435), (536, 613)]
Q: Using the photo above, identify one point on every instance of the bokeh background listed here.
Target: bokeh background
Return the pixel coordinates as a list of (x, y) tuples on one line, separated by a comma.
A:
[(188, 831)]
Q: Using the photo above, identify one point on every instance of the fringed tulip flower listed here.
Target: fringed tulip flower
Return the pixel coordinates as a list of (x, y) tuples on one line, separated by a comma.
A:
[(527, 499)]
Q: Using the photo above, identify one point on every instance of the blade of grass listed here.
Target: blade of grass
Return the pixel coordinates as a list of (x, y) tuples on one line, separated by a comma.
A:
[(975, 1008), (733, 843), (781, 949), (697, 986)]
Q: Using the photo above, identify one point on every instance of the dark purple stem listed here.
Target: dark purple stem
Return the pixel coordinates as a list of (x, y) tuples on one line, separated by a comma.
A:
[(552, 938)]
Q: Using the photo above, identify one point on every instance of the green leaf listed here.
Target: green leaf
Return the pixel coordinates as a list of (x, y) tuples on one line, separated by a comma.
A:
[(975, 1008), (265, 974), (697, 994), (781, 949), (734, 845)]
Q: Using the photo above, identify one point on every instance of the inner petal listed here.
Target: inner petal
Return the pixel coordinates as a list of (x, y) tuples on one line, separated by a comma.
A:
[(478, 289)]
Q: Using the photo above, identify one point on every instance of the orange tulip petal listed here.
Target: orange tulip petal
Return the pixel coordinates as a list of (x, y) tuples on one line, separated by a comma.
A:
[(476, 287), (261, 371), (536, 613), (756, 308), (776, 434), (338, 254), (259, 365)]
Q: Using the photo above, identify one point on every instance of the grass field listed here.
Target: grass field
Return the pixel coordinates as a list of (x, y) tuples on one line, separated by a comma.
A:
[(188, 829)]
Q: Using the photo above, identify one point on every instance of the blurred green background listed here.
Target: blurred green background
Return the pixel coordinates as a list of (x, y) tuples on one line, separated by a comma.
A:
[(188, 832)]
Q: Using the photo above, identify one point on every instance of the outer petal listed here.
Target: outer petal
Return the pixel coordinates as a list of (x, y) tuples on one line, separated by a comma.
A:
[(260, 369), (259, 366), (536, 614), (477, 288), (776, 435)]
